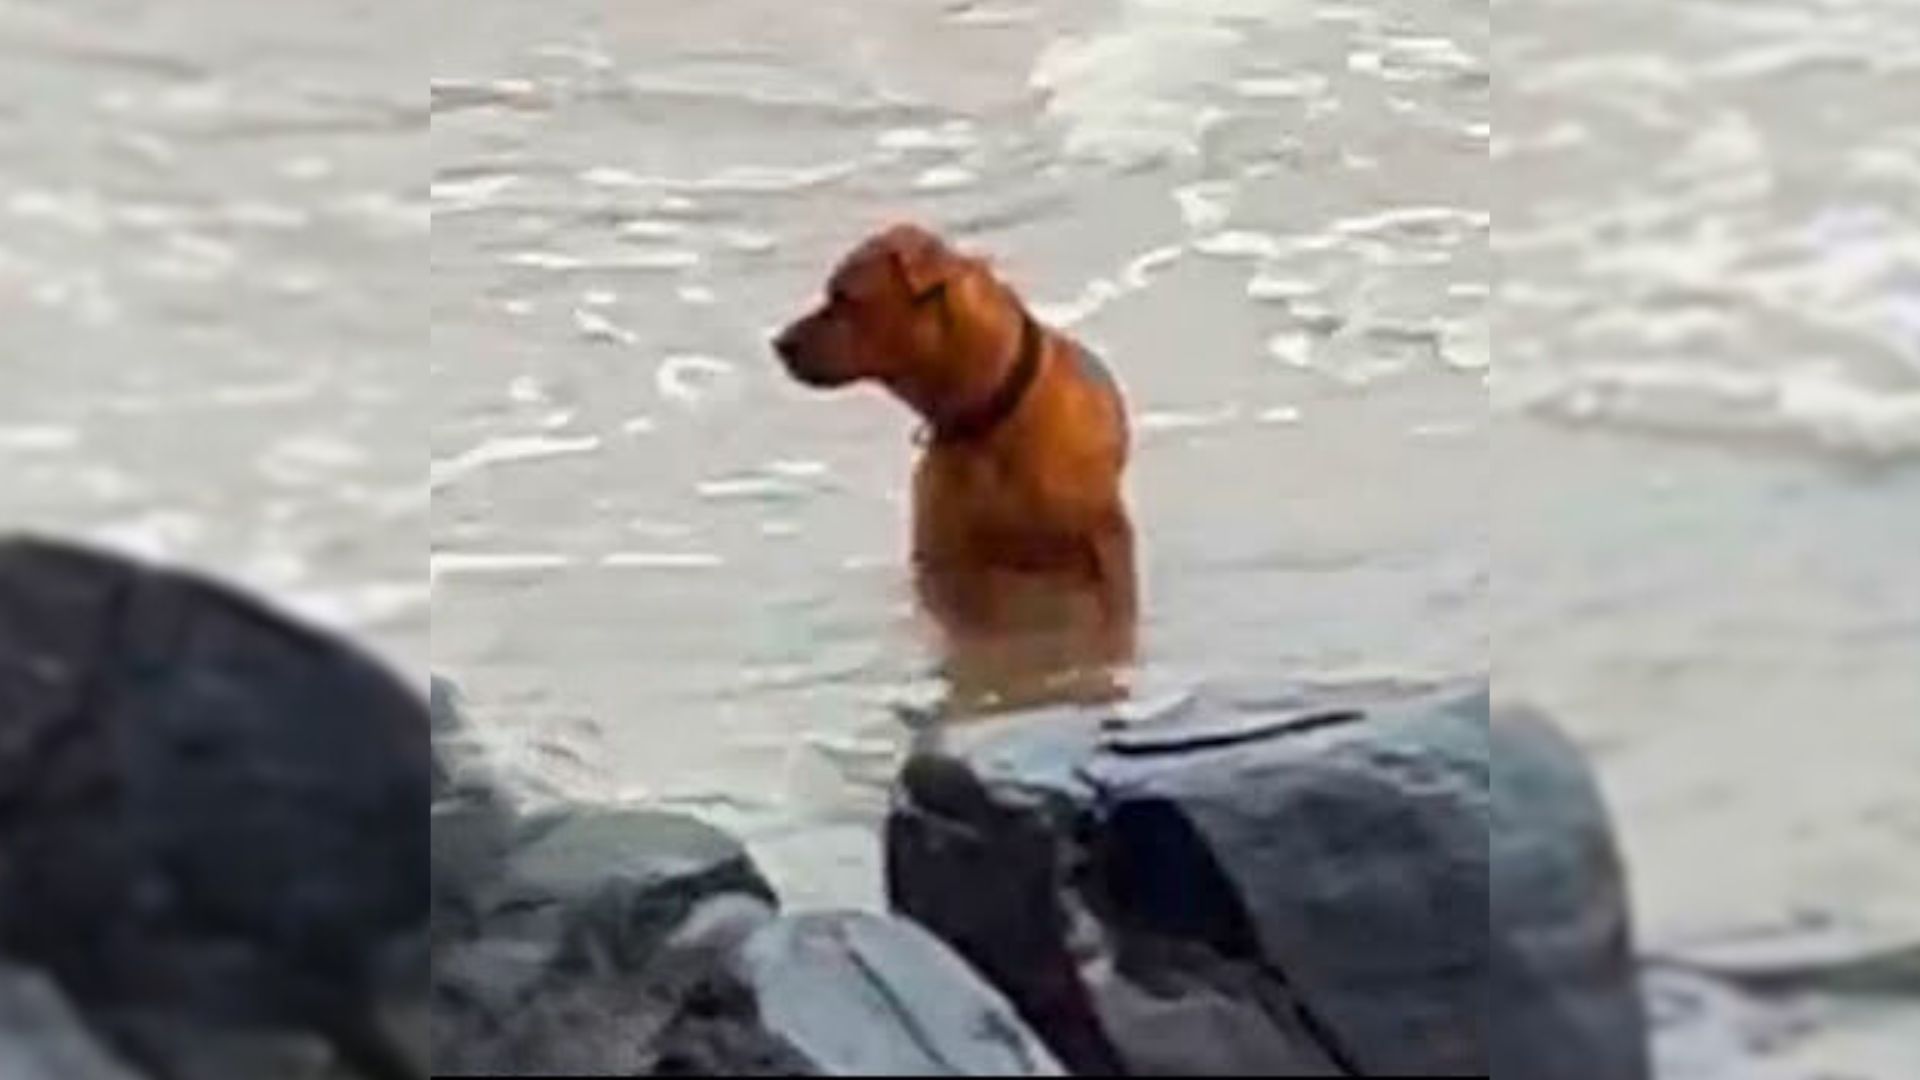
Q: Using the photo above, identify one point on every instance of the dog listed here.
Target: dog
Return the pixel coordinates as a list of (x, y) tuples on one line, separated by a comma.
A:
[(1023, 550)]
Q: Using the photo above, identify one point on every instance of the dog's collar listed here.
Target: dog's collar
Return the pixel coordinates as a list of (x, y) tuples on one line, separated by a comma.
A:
[(981, 420)]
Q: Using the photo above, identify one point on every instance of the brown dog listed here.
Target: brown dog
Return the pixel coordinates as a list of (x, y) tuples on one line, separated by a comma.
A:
[(1022, 548)]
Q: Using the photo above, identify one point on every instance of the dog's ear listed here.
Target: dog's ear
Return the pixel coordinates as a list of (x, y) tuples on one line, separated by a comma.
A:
[(923, 261)]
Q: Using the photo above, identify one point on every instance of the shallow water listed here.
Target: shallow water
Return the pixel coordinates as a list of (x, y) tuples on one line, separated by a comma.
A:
[(663, 572), (1708, 465), (666, 572), (211, 305)]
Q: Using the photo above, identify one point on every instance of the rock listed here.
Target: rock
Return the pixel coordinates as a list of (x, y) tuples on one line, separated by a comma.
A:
[(608, 889), (1284, 883), (1564, 976), (590, 933), (856, 995), (42, 1038), (590, 940), (472, 817), (210, 815)]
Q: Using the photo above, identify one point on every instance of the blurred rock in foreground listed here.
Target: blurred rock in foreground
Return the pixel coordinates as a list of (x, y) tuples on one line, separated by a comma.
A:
[(212, 852)]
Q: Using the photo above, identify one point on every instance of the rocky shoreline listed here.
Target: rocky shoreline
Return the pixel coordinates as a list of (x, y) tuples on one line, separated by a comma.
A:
[(1258, 882), (211, 852)]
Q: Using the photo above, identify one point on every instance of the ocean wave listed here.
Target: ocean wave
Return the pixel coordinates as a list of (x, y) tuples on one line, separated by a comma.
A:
[(1812, 408)]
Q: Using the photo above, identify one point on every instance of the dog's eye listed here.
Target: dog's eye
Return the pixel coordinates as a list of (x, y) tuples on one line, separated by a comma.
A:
[(935, 295)]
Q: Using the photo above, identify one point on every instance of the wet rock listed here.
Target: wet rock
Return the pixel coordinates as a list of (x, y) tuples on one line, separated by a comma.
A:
[(587, 940), (1279, 883), (473, 819), (855, 995), (1564, 1001), (566, 940), (42, 1038), (209, 816)]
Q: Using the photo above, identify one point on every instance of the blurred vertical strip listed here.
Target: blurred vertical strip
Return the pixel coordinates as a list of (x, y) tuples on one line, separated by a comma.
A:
[(1708, 407)]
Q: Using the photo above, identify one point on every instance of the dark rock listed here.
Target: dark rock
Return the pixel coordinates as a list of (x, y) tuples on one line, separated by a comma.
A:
[(1564, 1005), (854, 995), (602, 941), (589, 932), (209, 815), (1290, 884)]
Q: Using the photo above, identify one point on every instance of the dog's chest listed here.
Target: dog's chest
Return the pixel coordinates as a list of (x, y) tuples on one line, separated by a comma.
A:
[(985, 510)]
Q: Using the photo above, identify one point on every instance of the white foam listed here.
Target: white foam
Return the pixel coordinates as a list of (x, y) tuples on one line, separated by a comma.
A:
[(1271, 288), (662, 560), (1136, 93), (560, 262), (544, 260), (1282, 87), (597, 327), (358, 607), (1292, 347), (1140, 272), (750, 489), (945, 178), (1095, 295), (506, 449), (950, 136), (159, 536), (526, 390), (691, 380), (652, 229), (748, 241), (613, 177), (1814, 406), (979, 14), (1162, 420), (473, 563), (1239, 244), (38, 438), (798, 468), (1206, 205), (772, 179), (305, 457)]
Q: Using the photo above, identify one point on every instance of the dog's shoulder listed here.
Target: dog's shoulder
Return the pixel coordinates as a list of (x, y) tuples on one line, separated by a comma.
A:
[(1095, 370)]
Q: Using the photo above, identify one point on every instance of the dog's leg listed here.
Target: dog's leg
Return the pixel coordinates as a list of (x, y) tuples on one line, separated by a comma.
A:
[(1113, 563)]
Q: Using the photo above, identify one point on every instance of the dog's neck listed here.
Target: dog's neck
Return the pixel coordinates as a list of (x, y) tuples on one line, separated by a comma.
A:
[(981, 419)]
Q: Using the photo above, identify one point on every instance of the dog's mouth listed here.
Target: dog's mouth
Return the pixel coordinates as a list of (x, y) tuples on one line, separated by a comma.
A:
[(805, 365), (815, 377)]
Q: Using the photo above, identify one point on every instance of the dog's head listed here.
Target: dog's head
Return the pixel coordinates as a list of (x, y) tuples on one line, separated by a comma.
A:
[(900, 301)]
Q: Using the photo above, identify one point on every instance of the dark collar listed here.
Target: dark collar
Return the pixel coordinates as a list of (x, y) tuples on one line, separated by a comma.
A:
[(980, 421)]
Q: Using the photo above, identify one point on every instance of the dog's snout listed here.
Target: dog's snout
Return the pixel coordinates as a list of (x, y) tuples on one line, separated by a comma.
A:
[(786, 343)]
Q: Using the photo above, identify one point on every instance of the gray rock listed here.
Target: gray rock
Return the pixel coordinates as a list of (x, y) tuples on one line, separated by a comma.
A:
[(42, 1038), (601, 941), (211, 814), (607, 889), (1280, 883), (565, 941), (1564, 1003), (473, 819), (862, 995)]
